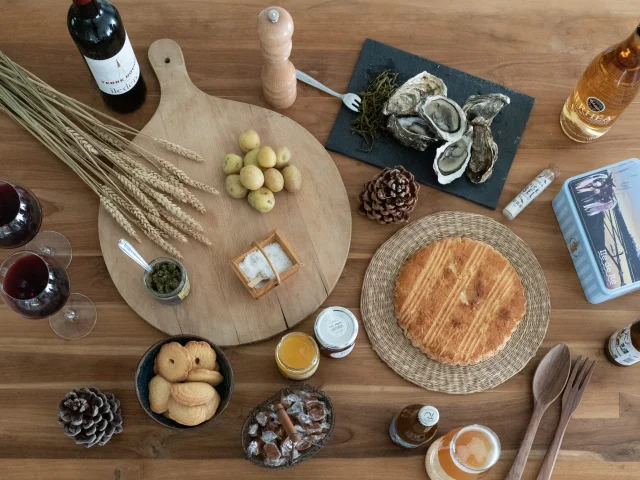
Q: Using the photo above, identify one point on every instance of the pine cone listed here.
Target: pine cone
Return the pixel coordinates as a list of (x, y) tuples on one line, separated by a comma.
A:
[(89, 416), (390, 196)]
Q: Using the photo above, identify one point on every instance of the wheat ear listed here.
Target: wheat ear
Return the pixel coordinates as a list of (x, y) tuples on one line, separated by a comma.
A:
[(128, 206), (78, 137), (136, 193), (189, 230), (167, 229), (169, 205), (176, 172), (110, 207), (179, 149)]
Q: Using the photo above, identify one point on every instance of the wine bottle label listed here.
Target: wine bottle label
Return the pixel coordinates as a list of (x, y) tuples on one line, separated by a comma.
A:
[(591, 110), (595, 104), (621, 348), (118, 74)]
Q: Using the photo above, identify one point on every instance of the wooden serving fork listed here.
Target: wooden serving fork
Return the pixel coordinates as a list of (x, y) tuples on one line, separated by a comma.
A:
[(580, 376)]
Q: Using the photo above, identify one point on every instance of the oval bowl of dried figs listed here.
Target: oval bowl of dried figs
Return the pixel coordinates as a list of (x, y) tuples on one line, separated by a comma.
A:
[(265, 440)]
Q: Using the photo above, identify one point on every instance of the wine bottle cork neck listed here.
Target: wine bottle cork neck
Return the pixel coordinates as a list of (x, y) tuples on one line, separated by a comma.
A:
[(82, 2)]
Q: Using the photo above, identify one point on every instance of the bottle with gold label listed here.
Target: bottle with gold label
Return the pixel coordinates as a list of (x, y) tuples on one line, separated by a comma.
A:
[(414, 426), (607, 87), (623, 348)]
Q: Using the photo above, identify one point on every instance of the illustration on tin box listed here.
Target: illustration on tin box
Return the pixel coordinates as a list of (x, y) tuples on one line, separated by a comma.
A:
[(607, 202)]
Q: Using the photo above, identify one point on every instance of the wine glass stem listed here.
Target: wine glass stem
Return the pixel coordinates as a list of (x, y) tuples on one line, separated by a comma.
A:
[(70, 315), (46, 250)]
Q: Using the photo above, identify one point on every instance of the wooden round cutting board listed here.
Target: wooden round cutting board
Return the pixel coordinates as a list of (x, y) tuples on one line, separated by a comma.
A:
[(315, 220)]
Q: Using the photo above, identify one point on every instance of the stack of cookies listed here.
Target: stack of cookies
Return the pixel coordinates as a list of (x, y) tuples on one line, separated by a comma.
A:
[(183, 388)]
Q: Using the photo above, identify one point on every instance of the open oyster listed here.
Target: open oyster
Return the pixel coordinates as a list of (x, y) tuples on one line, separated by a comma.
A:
[(444, 117), (408, 96), (485, 106), (452, 158), (411, 132), (484, 152)]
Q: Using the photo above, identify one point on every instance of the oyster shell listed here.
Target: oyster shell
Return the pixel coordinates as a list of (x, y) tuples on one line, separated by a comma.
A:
[(411, 132), (444, 116), (412, 92), (452, 158), (484, 152), (485, 106)]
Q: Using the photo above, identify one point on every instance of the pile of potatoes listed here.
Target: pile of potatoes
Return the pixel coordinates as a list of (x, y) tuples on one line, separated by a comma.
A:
[(261, 173)]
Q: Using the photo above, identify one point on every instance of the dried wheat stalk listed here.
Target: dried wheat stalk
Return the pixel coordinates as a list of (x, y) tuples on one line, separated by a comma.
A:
[(132, 183)]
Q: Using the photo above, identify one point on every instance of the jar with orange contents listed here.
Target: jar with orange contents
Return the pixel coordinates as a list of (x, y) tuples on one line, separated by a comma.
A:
[(297, 356), (463, 454)]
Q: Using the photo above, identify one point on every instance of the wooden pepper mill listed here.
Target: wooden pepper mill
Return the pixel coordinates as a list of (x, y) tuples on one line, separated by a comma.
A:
[(275, 28)]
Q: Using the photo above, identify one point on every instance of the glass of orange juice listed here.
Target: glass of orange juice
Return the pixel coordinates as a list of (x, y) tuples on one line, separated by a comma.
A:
[(463, 454)]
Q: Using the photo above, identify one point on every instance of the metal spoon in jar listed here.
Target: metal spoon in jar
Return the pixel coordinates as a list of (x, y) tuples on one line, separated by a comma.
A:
[(133, 254)]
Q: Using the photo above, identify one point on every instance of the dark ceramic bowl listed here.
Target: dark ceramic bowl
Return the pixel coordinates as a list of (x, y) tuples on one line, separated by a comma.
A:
[(144, 374)]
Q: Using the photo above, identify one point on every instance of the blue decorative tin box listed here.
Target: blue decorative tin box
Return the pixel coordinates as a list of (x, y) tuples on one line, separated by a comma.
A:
[(599, 215)]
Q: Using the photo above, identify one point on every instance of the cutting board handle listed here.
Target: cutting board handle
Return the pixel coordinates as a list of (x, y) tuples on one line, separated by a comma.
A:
[(167, 61)]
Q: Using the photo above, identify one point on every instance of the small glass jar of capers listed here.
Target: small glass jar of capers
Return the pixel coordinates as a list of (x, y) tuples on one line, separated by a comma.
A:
[(168, 281)]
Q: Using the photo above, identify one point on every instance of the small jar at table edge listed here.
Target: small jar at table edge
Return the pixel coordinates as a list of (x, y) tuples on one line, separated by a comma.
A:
[(291, 372), (336, 330), (179, 294)]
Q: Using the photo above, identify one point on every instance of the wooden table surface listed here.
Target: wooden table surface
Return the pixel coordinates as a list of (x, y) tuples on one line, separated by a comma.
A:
[(539, 47)]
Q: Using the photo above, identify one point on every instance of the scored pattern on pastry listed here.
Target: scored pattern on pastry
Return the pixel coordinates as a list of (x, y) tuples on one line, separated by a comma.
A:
[(458, 300)]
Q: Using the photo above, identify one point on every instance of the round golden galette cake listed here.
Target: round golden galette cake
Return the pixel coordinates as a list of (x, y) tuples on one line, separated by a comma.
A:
[(459, 300)]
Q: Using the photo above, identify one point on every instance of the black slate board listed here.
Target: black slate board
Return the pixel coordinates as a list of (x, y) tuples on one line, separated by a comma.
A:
[(507, 127)]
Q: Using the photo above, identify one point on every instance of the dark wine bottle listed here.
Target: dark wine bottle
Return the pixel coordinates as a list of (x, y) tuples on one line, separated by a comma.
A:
[(97, 30)]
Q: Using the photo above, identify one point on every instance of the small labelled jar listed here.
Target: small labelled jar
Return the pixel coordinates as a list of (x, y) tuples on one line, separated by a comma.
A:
[(297, 356), (176, 296), (336, 330)]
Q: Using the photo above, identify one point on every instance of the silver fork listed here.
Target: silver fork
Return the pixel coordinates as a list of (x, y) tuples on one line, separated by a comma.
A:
[(351, 100), (577, 384)]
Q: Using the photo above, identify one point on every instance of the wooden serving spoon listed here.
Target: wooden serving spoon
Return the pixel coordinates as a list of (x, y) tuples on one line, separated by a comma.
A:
[(549, 381)]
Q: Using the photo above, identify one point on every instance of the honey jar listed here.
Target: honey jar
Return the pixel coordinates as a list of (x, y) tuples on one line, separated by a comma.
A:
[(297, 356), (336, 329), (463, 454)]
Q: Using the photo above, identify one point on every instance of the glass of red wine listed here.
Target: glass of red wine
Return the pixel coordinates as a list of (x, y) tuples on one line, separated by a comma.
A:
[(36, 286), (20, 221)]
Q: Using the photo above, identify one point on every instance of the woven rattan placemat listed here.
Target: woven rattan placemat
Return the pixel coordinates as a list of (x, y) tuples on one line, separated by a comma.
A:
[(396, 350)]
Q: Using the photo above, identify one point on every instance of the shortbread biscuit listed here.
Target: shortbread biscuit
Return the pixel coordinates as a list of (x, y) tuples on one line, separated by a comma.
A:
[(211, 377), (174, 362), (203, 355), (216, 367), (192, 393), (191, 416), (159, 392)]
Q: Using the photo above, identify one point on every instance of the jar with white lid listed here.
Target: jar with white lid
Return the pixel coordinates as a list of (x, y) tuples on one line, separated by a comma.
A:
[(336, 330)]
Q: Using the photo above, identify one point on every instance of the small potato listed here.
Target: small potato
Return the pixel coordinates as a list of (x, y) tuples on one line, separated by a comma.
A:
[(232, 163), (283, 157), (251, 158), (273, 180), (266, 157), (262, 199), (251, 177), (292, 178), (234, 186), (249, 140)]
